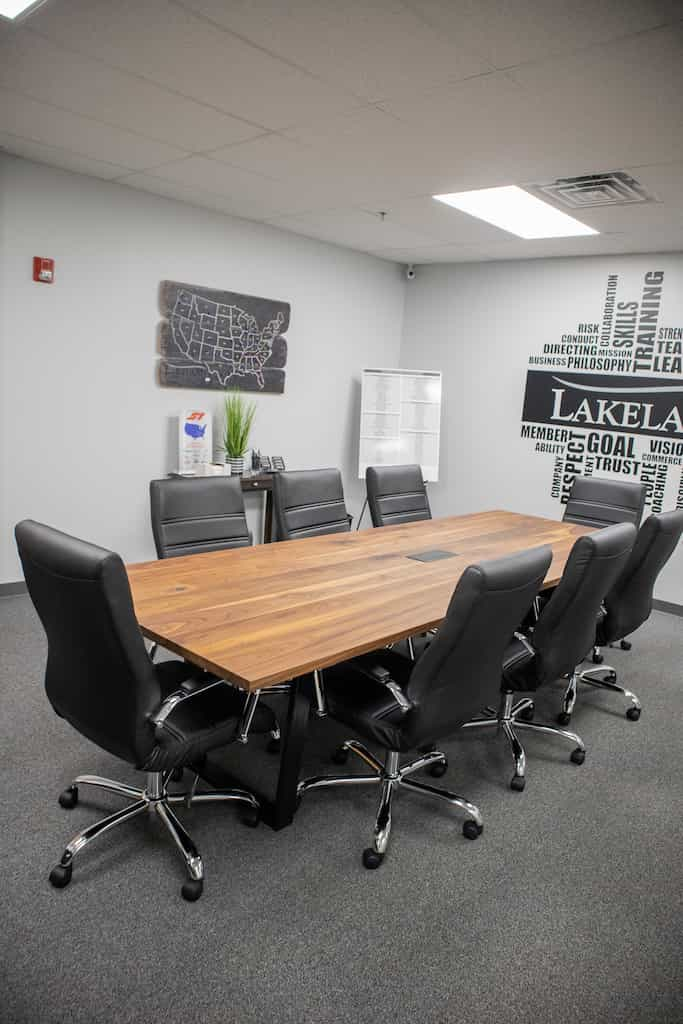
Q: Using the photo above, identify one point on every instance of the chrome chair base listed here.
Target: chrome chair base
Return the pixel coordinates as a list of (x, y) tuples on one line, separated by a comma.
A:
[(154, 798), (507, 720), (603, 677), (389, 776)]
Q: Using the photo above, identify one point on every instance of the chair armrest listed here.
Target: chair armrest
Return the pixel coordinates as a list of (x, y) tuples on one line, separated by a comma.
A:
[(190, 688), (379, 674)]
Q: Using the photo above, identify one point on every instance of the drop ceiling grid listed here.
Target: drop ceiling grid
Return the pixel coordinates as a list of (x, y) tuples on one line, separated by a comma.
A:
[(394, 101)]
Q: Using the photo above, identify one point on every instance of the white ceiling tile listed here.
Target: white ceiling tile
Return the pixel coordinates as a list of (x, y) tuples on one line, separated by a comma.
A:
[(56, 157), (429, 217), (172, 47), (237, 184), (41, 122), (195, 196), (43, 70), (664, 181), (616, 106), (354, 228), (364, 47), (507, 34)]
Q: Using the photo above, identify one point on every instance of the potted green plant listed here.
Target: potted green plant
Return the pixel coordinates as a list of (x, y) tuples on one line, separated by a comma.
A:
[(239, 416)]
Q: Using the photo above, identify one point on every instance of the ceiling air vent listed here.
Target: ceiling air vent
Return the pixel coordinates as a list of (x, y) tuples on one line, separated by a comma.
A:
[(613, 188)]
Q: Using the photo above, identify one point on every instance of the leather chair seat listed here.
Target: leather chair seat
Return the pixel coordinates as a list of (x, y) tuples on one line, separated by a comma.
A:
[(202, 723), (355, 699)]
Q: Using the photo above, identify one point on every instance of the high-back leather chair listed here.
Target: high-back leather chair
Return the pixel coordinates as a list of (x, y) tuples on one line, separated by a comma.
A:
[(309, 503), (194, 515), (99, 678), (628, 604), (594, 501), (399, 705), (396, 494), (560, 640)]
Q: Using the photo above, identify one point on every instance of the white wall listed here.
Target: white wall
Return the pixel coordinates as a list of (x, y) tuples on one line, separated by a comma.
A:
[(85, 426), (478, 324)]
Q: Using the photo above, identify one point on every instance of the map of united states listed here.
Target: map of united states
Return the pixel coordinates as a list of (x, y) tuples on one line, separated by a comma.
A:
[(223, 338)]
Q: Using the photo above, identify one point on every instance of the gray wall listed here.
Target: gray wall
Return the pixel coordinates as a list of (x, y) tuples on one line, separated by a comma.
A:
[(85, 426), (478, 324)]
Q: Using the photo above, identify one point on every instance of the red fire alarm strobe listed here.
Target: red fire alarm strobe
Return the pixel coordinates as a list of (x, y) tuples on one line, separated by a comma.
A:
[(43, 270)]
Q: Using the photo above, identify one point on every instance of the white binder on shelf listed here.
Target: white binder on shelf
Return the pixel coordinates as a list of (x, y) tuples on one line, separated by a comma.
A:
[(400, 420)]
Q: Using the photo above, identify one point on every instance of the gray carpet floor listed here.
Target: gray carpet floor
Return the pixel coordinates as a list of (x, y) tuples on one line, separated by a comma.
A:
[(568, 910)]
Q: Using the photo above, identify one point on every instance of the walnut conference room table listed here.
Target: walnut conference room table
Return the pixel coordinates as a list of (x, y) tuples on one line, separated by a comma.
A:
[(273, 613)]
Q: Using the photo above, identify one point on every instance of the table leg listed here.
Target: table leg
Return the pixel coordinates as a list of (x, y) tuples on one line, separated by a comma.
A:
[(281, 812), (268, 519), (278, 812)]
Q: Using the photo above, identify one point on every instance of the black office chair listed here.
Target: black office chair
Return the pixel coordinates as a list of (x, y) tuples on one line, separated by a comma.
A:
[(100, 678), (401, 706), (597, 501), (396, 494), (195, 515), (192, 516), (310, 503), (594, 501), (628, 605), (559, 641)]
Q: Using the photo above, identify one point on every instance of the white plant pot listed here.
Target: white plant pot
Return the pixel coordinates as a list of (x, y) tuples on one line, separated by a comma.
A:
[(236, 466)]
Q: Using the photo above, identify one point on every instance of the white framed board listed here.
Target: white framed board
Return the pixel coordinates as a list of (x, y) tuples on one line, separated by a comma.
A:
[(400, 419)]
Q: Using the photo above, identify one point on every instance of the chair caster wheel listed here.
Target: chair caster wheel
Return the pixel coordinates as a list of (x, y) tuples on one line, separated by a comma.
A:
[(274, 745), (192, 890), (177, 774), (372, 859), (578, 756), (438, 769), (340, 755), (625, 645), (517, 782), (251, 816), (598, 659), (564, 718), (68, 799), (60, 876), (528, 714), (633, 714), (471, 830)]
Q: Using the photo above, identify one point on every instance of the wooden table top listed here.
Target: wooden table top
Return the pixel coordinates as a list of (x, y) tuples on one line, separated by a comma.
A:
[(262, 615)]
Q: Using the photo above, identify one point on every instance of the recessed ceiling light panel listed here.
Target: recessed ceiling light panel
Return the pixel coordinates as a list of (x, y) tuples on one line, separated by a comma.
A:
[(516, 211), (14, 8)]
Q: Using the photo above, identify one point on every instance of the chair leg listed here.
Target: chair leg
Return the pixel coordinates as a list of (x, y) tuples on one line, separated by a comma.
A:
[(424, 761), (374, 855), (155, 798), (390, 776), (110, 785), (192, 889), (61, 874), (569, 699), (518, 780), (608, 682), (578, 754), (452, 798), (512, 717)]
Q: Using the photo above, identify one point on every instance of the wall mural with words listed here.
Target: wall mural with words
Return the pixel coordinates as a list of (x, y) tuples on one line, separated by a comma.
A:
[(216, 339), (606, 399)]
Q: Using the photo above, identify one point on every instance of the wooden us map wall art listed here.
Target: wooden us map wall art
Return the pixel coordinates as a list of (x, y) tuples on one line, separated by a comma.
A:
[(216, 339)]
